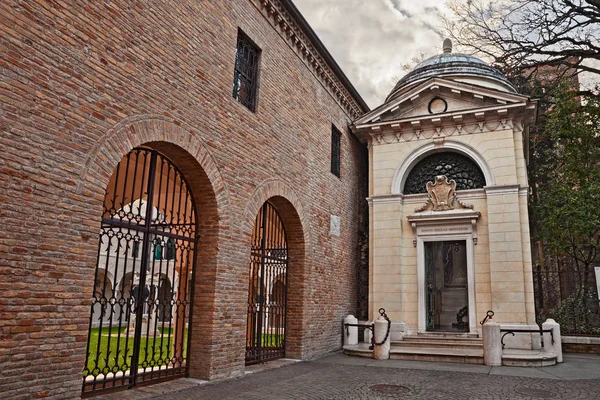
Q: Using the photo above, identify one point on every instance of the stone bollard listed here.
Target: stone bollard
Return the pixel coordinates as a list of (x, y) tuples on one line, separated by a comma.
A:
[(492, 346), (556, 348), (351, 332), (382, 352), (368, 333)]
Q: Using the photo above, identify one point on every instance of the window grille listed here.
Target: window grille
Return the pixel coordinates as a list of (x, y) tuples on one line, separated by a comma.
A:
[(462, 169), (336, 139), (246, 72)]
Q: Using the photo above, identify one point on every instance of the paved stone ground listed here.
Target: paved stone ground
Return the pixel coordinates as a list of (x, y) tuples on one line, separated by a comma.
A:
[(342, 377)]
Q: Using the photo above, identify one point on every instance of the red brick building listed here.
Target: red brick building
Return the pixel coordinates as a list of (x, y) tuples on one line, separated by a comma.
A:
[(84, 84)]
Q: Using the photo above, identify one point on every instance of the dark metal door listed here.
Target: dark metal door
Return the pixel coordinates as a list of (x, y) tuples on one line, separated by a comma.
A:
[(446, 285), (138, 326), (267, 292), (429, 286)]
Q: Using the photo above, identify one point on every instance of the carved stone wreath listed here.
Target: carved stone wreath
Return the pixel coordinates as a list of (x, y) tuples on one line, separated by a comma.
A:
[(441, 194)]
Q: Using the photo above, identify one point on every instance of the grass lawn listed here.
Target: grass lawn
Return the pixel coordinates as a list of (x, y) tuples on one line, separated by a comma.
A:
[(155, 352), (271, 340), (116, 356)]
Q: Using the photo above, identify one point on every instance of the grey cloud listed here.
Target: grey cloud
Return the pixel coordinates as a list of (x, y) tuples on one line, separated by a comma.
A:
[(396, 5), (372, 39)]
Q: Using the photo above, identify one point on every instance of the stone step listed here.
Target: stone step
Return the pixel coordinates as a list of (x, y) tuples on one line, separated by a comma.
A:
[(465, 344), (444, 335), (437, 354), (428, 340), (527, 358), (358, 350)]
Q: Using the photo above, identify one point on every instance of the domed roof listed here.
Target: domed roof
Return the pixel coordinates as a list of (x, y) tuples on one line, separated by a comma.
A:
[(454, 65)]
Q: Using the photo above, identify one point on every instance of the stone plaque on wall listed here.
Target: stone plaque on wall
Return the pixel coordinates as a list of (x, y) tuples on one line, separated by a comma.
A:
[(443, 230), (334, 225)]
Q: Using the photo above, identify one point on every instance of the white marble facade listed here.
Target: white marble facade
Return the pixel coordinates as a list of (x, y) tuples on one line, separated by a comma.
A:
[(453, 104)]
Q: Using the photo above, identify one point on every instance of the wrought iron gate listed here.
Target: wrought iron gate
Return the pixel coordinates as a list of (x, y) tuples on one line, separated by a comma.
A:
[(267, 292), (139, 310)]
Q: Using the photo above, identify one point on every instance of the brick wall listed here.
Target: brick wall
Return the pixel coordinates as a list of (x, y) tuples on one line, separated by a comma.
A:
[(81, 85)]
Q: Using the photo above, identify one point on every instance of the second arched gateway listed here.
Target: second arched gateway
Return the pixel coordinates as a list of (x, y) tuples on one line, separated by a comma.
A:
[(267, 288)]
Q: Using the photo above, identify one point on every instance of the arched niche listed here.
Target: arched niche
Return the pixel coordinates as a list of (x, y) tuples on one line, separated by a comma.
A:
[(428, 149)]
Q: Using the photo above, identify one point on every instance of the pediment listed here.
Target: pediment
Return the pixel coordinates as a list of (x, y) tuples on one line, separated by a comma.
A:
[(441, 97)]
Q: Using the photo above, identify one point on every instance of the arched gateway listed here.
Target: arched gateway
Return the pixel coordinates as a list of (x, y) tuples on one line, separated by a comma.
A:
[(267, 289), (138, 322)]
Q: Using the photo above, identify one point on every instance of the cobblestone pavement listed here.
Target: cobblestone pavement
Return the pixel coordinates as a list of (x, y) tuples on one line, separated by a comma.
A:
[(338, 378)]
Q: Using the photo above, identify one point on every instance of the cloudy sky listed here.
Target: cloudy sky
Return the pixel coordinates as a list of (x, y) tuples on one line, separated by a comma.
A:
[(371, 40)]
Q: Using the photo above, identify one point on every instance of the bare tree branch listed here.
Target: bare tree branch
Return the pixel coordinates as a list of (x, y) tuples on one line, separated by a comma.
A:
[(518, 35)]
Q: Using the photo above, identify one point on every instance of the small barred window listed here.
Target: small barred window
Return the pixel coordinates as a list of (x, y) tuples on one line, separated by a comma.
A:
[(462, 169), (336, 142), (246, 72)]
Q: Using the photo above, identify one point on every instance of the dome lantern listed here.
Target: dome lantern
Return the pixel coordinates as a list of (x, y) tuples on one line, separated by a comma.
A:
[(447, 46)]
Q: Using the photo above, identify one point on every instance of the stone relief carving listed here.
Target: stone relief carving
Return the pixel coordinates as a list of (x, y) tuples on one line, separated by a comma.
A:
[(408, 135), (441, 195), (463, 205)]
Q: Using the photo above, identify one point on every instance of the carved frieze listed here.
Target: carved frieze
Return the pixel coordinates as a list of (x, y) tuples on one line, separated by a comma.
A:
[(408, 135)]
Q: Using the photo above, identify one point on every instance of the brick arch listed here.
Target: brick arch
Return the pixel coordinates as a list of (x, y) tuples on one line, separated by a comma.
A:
[(297, 229), (265, 191), (142, 129), (183, 146)]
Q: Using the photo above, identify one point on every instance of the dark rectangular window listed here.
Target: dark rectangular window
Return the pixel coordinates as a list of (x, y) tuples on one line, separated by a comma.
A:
[(336, 141), (246, 72)]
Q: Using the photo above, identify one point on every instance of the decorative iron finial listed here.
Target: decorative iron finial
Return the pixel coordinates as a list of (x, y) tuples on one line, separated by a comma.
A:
[(447, 46)]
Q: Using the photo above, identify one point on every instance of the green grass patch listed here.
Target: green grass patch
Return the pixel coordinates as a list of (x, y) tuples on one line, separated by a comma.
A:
[(112, 353), (272, 340)]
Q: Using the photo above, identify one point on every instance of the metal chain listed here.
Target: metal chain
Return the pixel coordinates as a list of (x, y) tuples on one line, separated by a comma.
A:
[(384, 315), (488, 315)]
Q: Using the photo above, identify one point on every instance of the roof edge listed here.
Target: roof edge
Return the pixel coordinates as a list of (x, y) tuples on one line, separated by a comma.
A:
[(419, 86), (320, 47)]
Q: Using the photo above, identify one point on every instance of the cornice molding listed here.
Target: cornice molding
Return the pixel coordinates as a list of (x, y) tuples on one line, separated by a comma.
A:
[(282, 21), (448, 218), (385, 199), (420, 198), (467, 128), (499, 190)]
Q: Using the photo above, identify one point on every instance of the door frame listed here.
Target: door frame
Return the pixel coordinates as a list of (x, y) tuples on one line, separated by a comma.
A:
[(421, 279)]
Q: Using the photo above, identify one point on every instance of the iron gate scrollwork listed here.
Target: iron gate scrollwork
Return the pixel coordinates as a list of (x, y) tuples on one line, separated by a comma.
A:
[(141, 301), (267, 292)]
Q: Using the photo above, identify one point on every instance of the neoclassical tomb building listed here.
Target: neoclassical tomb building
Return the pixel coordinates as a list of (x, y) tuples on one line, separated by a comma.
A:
[(448, 220)]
